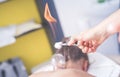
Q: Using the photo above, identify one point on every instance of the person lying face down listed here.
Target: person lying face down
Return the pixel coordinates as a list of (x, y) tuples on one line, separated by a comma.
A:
[(76, 63), (74, 57)]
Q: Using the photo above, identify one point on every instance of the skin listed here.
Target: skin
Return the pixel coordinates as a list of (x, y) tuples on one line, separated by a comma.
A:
[(91, 39), (73, 69), (62, 73)]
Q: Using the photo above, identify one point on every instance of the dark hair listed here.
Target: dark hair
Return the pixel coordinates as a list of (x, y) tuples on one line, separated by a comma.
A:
[(72, 53)]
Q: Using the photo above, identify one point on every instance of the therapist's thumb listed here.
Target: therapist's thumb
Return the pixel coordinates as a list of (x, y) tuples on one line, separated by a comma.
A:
[(74, 39)]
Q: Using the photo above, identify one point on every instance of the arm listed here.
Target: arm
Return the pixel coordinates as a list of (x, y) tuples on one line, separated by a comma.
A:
[(89, 40)]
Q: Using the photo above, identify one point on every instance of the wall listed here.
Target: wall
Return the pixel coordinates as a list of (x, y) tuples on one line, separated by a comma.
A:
[(33, 48)]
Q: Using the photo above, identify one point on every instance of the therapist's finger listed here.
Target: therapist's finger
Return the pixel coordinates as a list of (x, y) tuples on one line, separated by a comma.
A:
[(85, 49), (84, 46), (80, 44), (81, 47), (92, 49), (76, 39), (90, 44), (72, 41)]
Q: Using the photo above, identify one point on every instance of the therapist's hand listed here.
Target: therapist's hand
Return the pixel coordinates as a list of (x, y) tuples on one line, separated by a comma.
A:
[(89, 40)]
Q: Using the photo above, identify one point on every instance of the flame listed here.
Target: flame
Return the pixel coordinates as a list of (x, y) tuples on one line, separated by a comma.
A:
[(48, 15), (50, 19)]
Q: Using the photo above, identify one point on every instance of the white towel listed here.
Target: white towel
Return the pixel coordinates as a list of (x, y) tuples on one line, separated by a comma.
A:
[(7, 35), (101, 66)]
